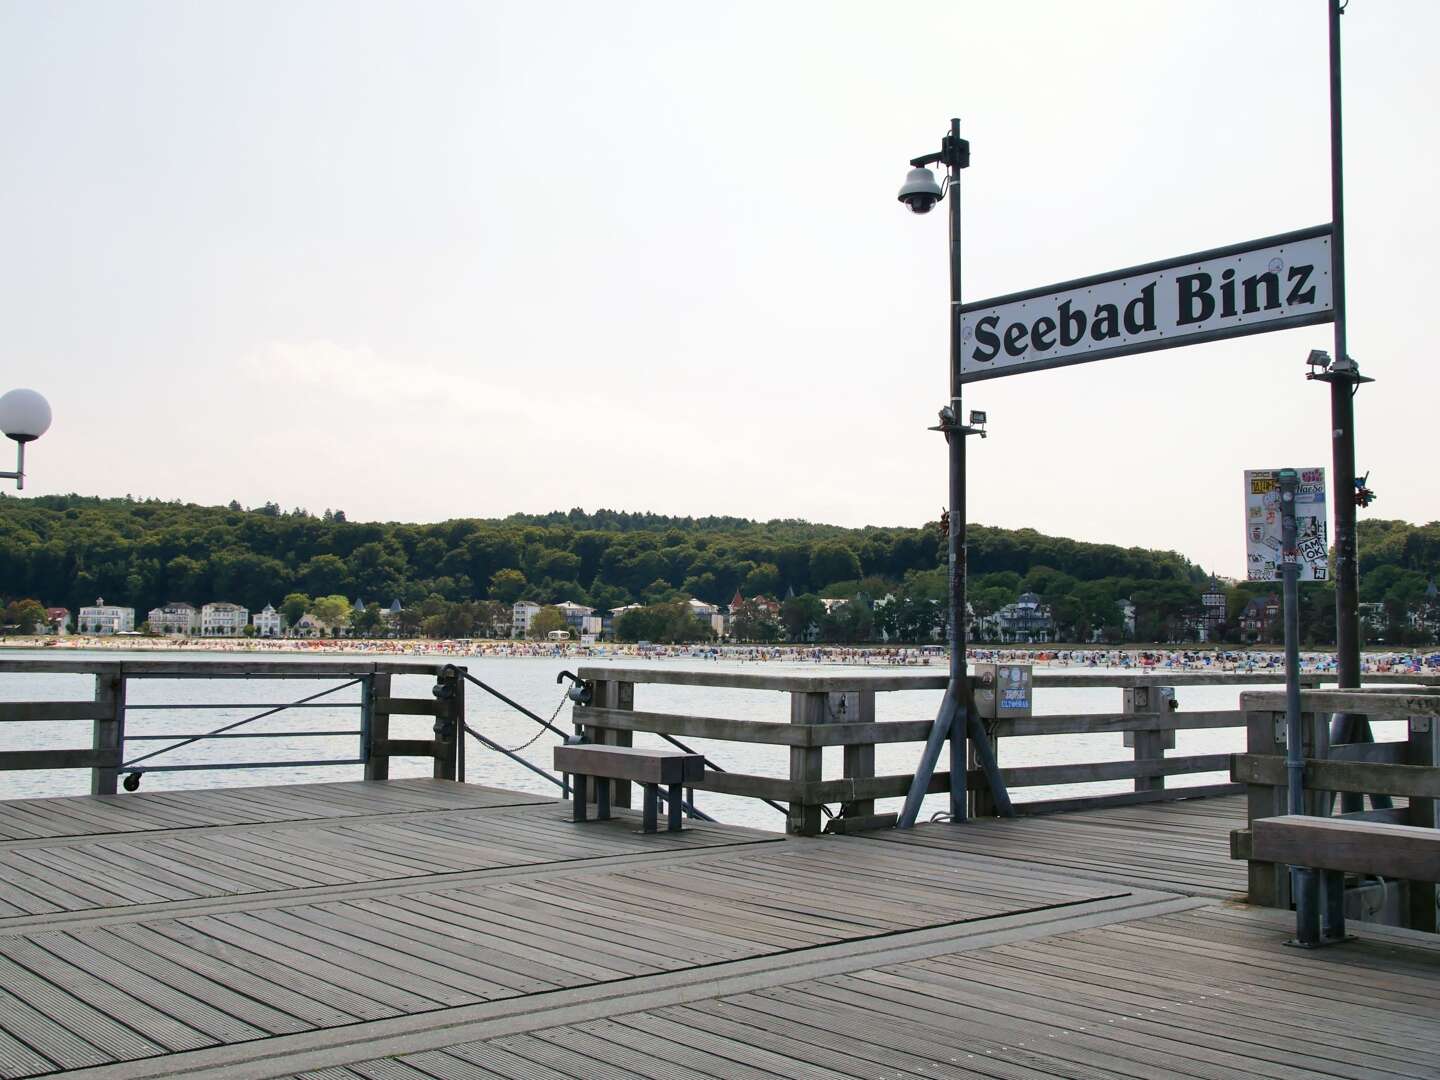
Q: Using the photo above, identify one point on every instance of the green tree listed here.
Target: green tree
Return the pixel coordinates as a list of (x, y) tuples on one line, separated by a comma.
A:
[(293, 607), (832, 561), (368, 621), (754, 622), (23, 616), (799, 613), (545, 620), (333, 612), (507, 585)]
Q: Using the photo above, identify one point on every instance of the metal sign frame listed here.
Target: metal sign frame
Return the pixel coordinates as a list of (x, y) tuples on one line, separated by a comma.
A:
[(968, 373)]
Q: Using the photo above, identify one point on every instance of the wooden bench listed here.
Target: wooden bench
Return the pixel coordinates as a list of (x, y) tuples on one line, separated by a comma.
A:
[(1337, 846), (1398, 852), (673, 768)]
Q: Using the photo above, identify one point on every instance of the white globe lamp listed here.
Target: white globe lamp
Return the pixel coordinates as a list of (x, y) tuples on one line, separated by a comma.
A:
[(24, 417)]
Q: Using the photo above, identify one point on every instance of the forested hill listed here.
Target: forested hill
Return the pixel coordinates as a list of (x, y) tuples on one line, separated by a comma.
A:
[(67, 550)]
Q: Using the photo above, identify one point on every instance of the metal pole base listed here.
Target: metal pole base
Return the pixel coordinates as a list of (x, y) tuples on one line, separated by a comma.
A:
[(1321, 943)]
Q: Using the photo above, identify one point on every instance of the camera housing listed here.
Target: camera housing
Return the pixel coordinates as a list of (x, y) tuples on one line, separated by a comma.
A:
[(920, 192)]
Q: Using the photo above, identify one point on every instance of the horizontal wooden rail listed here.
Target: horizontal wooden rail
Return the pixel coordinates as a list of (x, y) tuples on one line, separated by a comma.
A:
[(28, 711), (405, 747), (1411, 781), (1099, 723), (891, 731), (328, 667), (1381, 705), (901, 680), (396, 706), (29, 760)]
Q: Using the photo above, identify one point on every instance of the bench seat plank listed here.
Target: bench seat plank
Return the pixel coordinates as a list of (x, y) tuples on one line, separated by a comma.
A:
[(1364, 847), (641, 765)]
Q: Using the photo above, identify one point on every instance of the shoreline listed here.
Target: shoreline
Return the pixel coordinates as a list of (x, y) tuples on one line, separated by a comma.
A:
[(1193, 657)]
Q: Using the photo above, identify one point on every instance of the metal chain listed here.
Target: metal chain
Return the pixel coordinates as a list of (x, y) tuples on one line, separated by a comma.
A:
[(531, 741)]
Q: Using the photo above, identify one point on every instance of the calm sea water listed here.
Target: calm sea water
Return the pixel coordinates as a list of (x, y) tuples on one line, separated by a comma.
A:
[(530, 681)]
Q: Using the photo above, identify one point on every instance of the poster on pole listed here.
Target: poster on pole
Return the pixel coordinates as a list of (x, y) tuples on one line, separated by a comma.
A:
[(1264, 552), (1273, 283)]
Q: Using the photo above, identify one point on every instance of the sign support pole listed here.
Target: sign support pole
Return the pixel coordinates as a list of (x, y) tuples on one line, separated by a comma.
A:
[(1344, 378), (1303, 882)]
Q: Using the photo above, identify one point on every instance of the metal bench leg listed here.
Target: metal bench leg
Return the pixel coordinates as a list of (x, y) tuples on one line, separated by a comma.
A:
[(578, 796), (602, 799), (652, 798), (674, 808), (1332, 906)]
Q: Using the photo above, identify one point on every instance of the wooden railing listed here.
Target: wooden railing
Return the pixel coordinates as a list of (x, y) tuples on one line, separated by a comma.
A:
[(113, 751), (828, 711), (1403, 768)]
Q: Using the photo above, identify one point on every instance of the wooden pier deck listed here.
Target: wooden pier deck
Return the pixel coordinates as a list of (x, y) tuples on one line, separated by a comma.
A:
[(423, 928)]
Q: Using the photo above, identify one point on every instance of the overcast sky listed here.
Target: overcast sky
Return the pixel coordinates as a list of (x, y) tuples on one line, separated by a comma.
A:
[(433, 260)]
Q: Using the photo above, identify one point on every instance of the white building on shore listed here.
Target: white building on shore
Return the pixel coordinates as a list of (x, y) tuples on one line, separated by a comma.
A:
[(176, 619), (520, 616), (267, 622), (221, 619), (103, 618)]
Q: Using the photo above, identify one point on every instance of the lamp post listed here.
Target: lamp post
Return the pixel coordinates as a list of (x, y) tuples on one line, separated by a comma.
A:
[(24, 417), (956, 718)]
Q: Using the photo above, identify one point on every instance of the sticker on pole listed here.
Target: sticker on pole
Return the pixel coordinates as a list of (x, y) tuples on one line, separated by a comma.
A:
[(1264, 552)]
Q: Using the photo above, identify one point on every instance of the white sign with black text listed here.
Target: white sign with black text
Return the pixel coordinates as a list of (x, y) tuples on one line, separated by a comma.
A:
[(1264, 551), (1269, 284)]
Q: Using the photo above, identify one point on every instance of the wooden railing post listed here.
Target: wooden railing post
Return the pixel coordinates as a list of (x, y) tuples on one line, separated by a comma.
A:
[(1150, 745), (108, 733), (375, 691), (859, 761), (1269, 884), (449, 691), (1423, 749), (611, 694), (805, 763)]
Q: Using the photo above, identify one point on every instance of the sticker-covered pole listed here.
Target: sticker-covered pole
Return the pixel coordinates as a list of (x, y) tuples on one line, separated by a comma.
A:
[(1307, 915)]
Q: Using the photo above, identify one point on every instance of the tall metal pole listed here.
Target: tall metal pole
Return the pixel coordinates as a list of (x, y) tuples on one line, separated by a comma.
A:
[(956, 539), (950, 719), (1344, 378), (1342, 405), (954, 720)]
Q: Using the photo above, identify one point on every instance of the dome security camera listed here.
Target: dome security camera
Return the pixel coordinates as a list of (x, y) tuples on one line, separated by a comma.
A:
[(920, 192)]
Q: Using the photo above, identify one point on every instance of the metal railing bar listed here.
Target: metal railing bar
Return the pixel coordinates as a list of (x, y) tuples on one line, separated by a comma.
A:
[(248, 705), (711, 765), (203, 767), (564, 787), (238, 723), (513, 704), (244, 735)]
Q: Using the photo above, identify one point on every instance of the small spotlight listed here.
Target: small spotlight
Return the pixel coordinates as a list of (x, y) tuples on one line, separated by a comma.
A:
[(977, 418), (1319, 359)]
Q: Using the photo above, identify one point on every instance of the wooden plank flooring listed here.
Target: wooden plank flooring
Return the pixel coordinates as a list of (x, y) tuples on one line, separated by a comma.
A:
[(417, 928), (1178, 846)]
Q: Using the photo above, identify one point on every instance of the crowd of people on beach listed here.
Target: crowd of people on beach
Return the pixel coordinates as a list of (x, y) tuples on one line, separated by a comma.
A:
[(1196, 658)]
